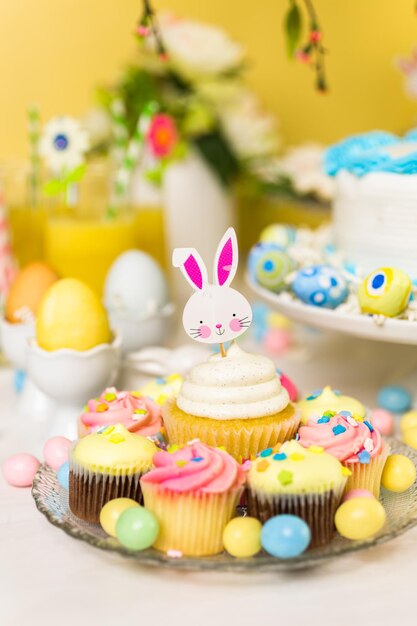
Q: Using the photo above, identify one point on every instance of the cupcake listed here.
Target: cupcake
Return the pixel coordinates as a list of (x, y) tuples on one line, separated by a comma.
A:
[(106, 465), (193, 492), (236, 401), (307, 483), (162, 388), (137, 413), (328, 399), (354, 442)]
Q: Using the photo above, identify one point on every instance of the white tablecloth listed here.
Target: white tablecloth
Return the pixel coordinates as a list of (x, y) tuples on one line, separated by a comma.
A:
[(49, 578)]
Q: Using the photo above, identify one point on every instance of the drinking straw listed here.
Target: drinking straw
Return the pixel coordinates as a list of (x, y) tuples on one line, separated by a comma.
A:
[(34, 159), (120, 130)]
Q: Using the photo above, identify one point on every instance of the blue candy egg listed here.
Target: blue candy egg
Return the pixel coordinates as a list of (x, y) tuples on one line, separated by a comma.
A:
[(320, 285), (280, 234), (63, 475), (395, 399), (285, 536)]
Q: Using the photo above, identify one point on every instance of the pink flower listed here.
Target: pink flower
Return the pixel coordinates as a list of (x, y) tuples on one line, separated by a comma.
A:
[(162, 135)]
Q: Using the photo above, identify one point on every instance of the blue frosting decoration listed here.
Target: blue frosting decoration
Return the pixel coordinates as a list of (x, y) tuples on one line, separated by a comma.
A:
[(365, 153)]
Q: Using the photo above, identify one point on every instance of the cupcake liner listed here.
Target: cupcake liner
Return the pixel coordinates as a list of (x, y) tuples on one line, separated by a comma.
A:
[(368, 475), (192, 523), (242, 438), (316, 509), (89, 491)]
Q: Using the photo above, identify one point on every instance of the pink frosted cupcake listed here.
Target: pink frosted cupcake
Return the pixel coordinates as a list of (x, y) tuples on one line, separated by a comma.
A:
[(138, 413), (354, 442), (193, 492)]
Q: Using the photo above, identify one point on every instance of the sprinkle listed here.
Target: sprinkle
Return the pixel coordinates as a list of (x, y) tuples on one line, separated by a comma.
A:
[(108, 430), (358, 418), (364, 457), (323, 420), (197, 459), (339, 429), (369, 444), (173, 448), (174, 554), (161, 381), (285, 477), (101, 408), (329, 413), (262, 465), (85, 409), (140, 411), (221, 448), (296, 456), (316, 449), (314, 394), (266, 452), (193, 441), (352, 421), (116, 438), (162, 398), (109, 397), (346, 472), (345, 413), (369, 425), (280, 456), (136, 394), (102, 430), (181, 463), (297, 437)]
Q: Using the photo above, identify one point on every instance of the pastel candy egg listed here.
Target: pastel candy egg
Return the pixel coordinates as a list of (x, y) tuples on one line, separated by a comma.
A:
[(137, 528), (285, 536), (320, 285), (408, 420), (277, 341), (272, 268), (242, 537), (399, 473), (55, 451), (19, 470), (360, 518), (394, 398), (409, 437), (358, 493), (112, 510), (63, 475), (383, 421), (288, 384), (386, 291), (280, 234)]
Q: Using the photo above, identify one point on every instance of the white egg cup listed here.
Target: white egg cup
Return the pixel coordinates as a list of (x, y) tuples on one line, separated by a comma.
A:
[(33, 402), (139, 332), (71, 377)]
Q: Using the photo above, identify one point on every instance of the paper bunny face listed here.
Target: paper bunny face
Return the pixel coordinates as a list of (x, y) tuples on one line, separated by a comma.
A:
[(215, 313)]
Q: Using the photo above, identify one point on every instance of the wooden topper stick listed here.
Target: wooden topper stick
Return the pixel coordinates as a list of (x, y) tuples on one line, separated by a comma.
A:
[(222, 350)]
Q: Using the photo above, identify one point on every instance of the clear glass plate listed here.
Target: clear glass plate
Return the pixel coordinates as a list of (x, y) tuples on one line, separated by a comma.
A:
[(52, 500)]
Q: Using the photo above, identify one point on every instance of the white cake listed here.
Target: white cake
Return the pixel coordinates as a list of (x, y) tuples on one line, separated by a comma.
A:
[(375, 216)]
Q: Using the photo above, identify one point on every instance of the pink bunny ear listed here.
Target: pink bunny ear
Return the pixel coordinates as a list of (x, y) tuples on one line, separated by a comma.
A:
[(191, 265), (226, 259)]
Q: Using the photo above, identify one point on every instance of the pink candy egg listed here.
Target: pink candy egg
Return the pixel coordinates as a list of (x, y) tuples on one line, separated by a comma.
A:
[(277, 341), (55, 451), (358, 493), (19, 470), (289, 386), (383, 421)]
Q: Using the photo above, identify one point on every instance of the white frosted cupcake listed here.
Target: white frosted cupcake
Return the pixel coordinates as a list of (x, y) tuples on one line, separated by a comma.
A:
[(236, 401)]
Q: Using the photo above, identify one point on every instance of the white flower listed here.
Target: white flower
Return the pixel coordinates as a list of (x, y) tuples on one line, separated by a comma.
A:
[(63, 144), (304, 167), (251, 132), (198, 49)]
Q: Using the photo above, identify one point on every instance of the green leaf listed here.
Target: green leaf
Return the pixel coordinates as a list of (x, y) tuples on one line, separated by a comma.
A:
[(76, 174), (54, 187), (293, 27)]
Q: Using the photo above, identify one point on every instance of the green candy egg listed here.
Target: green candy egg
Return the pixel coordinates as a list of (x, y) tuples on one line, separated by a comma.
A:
[(272, 267), (137, 528)]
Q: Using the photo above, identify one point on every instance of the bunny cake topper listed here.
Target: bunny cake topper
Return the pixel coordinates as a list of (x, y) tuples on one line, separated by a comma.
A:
[(215, 313)]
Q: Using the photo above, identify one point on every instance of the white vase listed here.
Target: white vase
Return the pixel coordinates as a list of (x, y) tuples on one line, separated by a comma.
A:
[(198, 211)]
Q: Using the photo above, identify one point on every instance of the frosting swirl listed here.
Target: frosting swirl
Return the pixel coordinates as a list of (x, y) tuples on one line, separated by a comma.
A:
[(237, 386), (342, 436), (195, 467), (137, 413)]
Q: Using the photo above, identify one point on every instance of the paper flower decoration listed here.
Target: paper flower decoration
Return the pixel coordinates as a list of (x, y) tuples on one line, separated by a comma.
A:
[(162, 135), (63, 144)]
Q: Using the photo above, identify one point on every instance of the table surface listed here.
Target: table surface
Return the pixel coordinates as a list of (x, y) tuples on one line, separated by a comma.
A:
[(47, 577)]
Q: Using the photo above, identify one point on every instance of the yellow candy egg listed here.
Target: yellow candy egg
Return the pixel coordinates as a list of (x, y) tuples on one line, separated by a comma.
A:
[(409, 437), (386, 291), (111, 512), (71, 316), (242, 537), (408, 420), (360, 518), (399, 473)]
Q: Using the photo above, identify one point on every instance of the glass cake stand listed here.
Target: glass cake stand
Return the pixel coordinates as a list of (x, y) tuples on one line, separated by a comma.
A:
[(52, 500)]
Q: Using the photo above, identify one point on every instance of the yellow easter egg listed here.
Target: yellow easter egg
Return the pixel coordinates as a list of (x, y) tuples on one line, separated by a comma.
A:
[(408, 420), (242, 537), (399, 473), (111, 512), (409, 437), (360, 518), (386, 291), (71, 316)]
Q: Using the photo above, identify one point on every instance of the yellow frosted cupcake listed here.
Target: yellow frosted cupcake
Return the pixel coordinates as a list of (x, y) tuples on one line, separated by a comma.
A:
[(106, 465), (328, 399), (236, 401)]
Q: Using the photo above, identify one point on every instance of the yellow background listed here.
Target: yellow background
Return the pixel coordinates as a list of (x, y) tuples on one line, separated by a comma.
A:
[(55, 51)]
